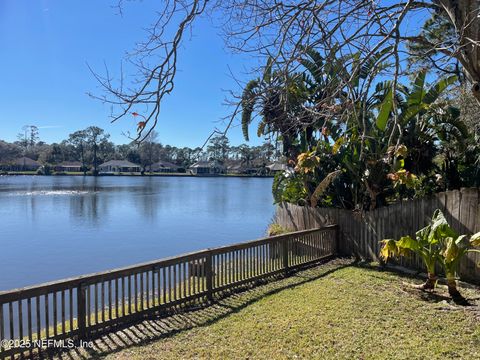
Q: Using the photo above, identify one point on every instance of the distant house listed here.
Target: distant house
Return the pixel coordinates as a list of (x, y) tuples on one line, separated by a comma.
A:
[(256, 171), (118, 166), (24, 164), (235, 167), (276, 167), (165, 167), (257, 167), (70, 166), (207, 168), (253, 167)]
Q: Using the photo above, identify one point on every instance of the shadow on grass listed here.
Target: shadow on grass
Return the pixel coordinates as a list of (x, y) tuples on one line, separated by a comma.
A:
[(434, 296), (153, 329)]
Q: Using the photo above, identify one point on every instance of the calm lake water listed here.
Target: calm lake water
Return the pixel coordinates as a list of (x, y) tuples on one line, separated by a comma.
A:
[(55, 227)]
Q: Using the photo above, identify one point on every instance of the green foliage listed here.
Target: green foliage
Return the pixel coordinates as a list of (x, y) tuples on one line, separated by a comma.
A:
[(354, 131), (218, 147), (420, 99), (289, 188), (385, 110)]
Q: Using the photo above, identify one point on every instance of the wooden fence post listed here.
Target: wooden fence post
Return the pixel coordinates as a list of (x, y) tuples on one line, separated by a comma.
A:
[(336, 245), (209, 276), (81, 311), (285, 255)]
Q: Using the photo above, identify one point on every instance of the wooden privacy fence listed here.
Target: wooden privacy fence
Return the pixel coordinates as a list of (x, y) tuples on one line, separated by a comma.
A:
[(360, 233), (77, 308)]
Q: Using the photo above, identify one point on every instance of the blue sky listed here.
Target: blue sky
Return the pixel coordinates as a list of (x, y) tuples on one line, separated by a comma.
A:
[(46, 44)]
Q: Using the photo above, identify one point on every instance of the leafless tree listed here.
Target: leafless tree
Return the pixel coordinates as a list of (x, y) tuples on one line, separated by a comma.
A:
[(282, 30)]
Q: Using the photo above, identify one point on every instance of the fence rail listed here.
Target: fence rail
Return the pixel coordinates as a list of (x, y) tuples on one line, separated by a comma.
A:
[(79, 307)]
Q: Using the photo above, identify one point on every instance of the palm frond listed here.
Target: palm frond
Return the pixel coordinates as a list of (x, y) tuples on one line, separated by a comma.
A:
[(436, 90), (261, 128), (248, 102), (320, 189)]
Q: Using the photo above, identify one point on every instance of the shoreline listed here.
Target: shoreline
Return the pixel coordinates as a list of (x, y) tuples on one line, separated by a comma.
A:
[(33, 173)]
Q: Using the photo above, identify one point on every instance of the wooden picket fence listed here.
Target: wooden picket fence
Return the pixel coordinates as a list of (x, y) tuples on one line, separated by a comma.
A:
[(81, 307), (360, 232)]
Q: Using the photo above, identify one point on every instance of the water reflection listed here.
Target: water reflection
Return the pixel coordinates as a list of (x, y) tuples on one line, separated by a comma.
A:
[(64, 226), (84, 209)]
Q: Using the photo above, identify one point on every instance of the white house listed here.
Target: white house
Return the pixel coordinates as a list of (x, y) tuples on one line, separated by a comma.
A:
[(73, 166), (207, 168), (165, 167), (119, 166)]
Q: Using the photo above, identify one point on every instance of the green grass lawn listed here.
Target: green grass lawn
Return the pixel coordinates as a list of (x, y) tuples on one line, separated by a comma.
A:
[(334, 311)]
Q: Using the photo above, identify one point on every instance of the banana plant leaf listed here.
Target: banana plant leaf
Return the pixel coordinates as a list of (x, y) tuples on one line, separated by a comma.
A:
[(385, 109)]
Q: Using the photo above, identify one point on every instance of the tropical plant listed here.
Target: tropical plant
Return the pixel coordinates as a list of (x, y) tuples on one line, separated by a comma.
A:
[(278, 100), (423, 245), (436, 243), (455, 247), (431, 125), (364, 143), (379, 173)]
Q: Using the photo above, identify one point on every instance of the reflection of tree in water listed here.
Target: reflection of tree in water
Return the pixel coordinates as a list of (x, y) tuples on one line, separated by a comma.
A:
[(85, 208), (33, 207), (219, 197), (152, 196), (91, 206), (104, 194), (147, 198)]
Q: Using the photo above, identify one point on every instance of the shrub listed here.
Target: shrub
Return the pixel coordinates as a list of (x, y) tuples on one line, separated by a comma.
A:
[(277, 229)]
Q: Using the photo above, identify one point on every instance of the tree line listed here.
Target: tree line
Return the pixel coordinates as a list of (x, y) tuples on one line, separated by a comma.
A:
[(92, 146)]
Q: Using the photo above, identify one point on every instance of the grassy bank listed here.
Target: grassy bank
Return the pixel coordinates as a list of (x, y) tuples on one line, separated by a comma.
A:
[(330, 312)]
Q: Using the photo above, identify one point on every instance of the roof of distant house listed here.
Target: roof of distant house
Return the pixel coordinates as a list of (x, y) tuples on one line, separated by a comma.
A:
[(26, 161), (235, 166), (203, 163), (241, 164), (277, 167), (71, 164), (164, 164), (120, 163)]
